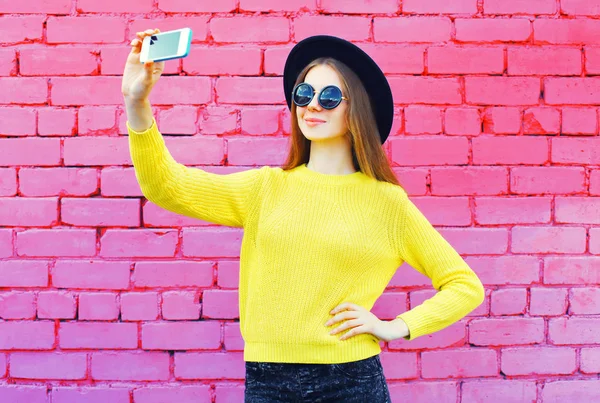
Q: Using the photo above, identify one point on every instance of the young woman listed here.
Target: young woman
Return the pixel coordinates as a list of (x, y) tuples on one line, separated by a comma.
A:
[(323, 234)]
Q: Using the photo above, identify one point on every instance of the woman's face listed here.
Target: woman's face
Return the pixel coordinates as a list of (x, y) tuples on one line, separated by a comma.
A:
[(317, 123)]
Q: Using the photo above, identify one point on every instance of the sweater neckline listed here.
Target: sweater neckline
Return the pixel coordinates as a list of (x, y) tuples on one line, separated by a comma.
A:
[(328, 179)]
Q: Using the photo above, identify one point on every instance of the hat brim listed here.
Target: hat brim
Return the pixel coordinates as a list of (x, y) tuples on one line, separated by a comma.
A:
[(357, 60)]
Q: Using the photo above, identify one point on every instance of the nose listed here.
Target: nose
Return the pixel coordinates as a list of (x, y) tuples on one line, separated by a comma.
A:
[(314, 103)]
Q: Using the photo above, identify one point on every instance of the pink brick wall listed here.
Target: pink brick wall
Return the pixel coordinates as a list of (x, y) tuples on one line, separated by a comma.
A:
[(495, 137)]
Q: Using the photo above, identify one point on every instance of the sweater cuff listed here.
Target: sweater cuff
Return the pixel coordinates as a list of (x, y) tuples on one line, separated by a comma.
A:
[(417, 326)]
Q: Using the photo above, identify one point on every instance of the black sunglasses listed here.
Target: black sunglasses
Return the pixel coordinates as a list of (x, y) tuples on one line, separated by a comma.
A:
[(329, 97)]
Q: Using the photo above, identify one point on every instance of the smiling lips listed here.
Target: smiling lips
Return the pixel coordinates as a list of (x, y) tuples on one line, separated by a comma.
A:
[(313, 121)]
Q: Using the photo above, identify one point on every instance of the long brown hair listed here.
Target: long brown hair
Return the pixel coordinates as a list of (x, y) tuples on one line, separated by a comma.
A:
[(368, 155)]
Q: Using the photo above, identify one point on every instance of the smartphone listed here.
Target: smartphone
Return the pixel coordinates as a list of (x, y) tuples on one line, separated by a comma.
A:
[(166, 45)]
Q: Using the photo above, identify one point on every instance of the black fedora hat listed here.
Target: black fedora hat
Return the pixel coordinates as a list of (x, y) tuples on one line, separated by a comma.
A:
[(357, 60)]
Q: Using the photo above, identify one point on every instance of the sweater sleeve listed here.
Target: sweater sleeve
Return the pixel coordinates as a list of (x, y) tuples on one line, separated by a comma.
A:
[(459, 289), (193, 192)]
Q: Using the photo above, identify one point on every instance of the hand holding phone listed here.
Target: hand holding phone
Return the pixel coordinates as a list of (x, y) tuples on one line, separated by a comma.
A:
[(139, 79), (166, 45)]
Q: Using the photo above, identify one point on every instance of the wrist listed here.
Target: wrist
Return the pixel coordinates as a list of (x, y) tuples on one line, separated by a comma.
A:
[(399, 329)]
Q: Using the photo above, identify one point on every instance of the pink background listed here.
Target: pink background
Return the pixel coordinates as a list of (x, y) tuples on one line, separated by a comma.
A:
[(107, 298)]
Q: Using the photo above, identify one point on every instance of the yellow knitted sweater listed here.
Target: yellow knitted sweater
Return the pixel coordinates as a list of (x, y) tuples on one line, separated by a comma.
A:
[(311, 241)]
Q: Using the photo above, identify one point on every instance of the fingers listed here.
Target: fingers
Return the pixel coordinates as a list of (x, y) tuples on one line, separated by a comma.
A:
[(136, 43)]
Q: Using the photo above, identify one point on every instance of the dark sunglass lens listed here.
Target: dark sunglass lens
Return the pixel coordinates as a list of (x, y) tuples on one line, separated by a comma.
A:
[(330, 97), (303, 95)]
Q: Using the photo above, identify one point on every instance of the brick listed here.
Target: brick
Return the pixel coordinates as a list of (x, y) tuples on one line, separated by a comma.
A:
[(21, 28), (257, 152), (517, 7), (98, 306), (94, 274), (48, 365), (46, 7), (576, 390), (199, 6), (6, 243), (428, 90), (358, 7), (139, 306), (173, 274), (592, 59), (89, 29), (228, 274), (538, 361), (180, 305), (425, 391), (506, 331), (57, 61), (88, 151), (462, 121), (27, 335), (96, 120), (17, 305), (590, 360), (566, 31), (546, 180), (209, 365), (200, 393), (274, 59), (541, 121), (423, 119), (121, 182), (56, 122), (28, 212), (578, 210), (391, 58), (260, 120), (544, 60), (502, 120), (572, 270), (29, 394), (133, 243), (399, 365), (97, 393), (507, 391), (576, 150), (510, 301), (502, 90), (181, 336), (439, 7), (595, 182), (18, 121), (595, 241), (450, 211), (90, 335), (350, 28), (233, 340), (459, 363), (492, 30), (429, 150), (249, 90), (455, 181), (100, 212), (101, 90), (218, 120), (548, 239), (465, 60), (579, 121), (548, 301), (23, 90), (412, 29), (574, 91), (155, 216), (250, 29), (56, 305), (477, 240), (231, 60), (115, 6), (8, 62), (580, 7), (220, 304), (574, 330), (498, 150), (196, 150), (275, 5), (513, 210), (134, 366), (57, 181), (584, 301), (23, 273), (56, 242)]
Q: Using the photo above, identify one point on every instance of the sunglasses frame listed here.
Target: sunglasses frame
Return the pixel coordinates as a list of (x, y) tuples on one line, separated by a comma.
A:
[(314, 93)]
